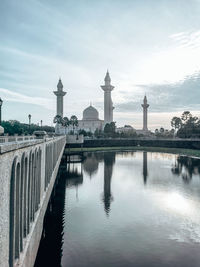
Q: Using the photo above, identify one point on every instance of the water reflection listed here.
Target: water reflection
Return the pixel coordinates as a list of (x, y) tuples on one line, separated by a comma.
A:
[(145, 171), (90, 164), (53, 227), (150, 226), (186, 167), (109, 160), (74, 175)]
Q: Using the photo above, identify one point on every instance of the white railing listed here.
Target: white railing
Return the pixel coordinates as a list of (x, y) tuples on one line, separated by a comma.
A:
[(8, 139)]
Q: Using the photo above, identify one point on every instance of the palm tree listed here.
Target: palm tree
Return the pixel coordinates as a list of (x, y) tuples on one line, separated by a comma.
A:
[(186, 116), (74, 122), (66, 123), (58, 119), (162, 130)]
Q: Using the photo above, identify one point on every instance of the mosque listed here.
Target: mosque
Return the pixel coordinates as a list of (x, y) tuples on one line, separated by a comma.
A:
[(90, 120)]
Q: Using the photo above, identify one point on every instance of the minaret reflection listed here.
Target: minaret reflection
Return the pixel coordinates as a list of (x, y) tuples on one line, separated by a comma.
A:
[(145, 171), (109, 160)]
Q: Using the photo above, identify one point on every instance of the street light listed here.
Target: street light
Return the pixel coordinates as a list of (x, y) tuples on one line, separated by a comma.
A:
[(1, 103), (41, 123), (29, 118)]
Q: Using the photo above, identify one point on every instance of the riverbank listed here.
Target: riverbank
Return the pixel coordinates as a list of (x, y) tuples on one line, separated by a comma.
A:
[(179, 151)]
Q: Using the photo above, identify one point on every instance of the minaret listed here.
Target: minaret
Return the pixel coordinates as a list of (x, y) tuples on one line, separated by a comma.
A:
[(60, 93), (145, 107), (108, 104)]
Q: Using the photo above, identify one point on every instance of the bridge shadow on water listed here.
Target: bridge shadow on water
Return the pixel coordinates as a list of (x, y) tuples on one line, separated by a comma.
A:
[(50, 249)]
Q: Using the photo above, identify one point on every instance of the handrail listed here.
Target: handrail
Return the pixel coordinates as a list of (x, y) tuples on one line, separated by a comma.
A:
[(8, 139)]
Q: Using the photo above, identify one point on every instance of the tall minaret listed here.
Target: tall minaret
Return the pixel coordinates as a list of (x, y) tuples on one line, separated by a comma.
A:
[(145, 107), (60, 93), (108, 104)]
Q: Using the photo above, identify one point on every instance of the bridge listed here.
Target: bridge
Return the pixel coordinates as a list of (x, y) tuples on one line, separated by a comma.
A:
[(28, 170)]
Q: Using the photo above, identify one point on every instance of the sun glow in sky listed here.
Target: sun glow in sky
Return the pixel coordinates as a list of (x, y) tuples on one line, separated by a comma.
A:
[(148, 46)]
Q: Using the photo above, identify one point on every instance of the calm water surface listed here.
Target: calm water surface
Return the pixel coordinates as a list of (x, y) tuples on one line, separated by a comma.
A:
[(124, 209)]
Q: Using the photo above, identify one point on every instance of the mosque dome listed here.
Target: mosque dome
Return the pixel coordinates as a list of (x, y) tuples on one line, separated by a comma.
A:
[(90, 113)]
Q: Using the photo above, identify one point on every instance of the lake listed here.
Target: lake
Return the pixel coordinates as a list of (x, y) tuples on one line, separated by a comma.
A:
[(124, 209)]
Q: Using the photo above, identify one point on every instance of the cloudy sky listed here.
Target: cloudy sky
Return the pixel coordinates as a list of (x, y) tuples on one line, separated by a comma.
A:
[(150, 47)]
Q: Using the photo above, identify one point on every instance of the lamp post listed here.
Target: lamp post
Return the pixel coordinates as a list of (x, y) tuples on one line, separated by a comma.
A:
[(1, 102), (41, 123), (1, 128), (29, 119)]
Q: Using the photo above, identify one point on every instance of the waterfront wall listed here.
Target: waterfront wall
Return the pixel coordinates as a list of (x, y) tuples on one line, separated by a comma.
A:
[(171, 143), (28, 170)]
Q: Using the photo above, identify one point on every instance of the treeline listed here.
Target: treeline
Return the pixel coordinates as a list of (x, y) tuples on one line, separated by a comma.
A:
[(186, 126), (13, 127), (109, 131)]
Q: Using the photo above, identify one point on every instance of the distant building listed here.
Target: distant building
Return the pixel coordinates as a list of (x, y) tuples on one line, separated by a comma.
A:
[(125, 129), (90, 121)]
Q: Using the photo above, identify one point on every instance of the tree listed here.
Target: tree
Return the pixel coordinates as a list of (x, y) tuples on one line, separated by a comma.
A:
[(12, 127), (65, 122), (186, 116), (176, 123), (58, 119), (188, 126), (98, 133), (74, 122), (83, 132), (109, 129), (162, 130)]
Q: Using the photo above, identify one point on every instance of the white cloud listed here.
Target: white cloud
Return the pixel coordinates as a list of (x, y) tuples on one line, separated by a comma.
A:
[(20, 98), (180, 57)]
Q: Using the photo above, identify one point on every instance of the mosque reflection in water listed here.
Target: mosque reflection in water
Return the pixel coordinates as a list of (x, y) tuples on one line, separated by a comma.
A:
[(90, 166), (184, 167), (86, 171)]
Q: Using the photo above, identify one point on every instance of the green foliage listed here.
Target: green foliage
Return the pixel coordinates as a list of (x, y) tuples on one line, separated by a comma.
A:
[(186, 116), (129, 134), (12, 127), (98, 133), (66, 122), (164, 133), (74, 122), (83, 132), (109, 129), (176, 123), (188, 126), (162, 130), (58, 119)]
